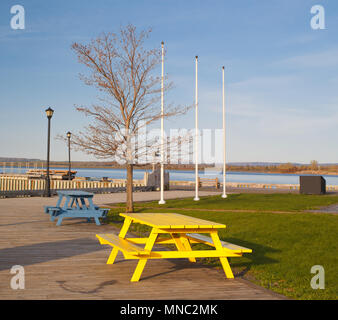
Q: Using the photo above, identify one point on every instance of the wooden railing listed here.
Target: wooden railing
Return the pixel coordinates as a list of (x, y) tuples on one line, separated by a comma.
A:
[(11, 183), (21, 183)]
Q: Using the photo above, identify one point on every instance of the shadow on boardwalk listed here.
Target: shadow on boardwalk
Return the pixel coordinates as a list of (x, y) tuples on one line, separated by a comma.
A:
[(46, 251)]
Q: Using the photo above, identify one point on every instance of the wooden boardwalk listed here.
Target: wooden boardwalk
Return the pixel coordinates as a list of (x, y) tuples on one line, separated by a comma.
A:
[(67, 262)]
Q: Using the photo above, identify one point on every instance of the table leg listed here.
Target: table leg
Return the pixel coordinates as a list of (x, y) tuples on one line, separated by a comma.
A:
[(72, 203), (65, 206), (224, 260), (91, 204), (77, 204), (182, 244), (142, 262), (123, 232), (83, 203), (125, 227), (59, 201), (59, 221), (112, 256), (97, 221)]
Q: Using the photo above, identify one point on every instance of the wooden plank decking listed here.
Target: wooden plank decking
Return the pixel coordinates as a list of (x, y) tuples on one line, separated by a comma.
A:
[(67, 262)]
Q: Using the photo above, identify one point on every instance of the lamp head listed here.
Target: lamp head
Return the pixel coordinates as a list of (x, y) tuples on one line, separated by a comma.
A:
[(49, 112), (69, 134)]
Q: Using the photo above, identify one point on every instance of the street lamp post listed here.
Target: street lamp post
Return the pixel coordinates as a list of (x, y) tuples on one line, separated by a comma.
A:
[(69, 134), (224, 195), (49, 113), (162, 130), (196, 131)]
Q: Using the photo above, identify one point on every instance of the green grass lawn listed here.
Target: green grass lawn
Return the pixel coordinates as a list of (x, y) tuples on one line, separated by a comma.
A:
[(285, 245), (247, 201)]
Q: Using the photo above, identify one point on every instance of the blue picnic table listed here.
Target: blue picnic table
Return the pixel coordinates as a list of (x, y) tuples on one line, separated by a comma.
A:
[(77, 204)]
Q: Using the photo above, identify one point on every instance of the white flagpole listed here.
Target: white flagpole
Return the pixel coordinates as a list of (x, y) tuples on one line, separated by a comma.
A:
[(196, 134), (224, 195), (162, 130)]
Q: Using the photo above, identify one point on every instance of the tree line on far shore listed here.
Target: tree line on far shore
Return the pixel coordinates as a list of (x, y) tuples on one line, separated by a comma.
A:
[(313, 167)]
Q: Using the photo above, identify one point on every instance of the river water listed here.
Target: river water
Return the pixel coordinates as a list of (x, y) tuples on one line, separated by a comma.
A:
[(241, 177)]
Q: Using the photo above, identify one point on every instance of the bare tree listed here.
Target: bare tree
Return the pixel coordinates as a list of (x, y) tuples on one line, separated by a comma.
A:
[(124, 71), (314, 165)]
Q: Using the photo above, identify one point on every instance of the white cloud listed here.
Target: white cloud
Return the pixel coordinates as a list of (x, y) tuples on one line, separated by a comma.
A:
[(298, 39), (328, 58), (274, 106)]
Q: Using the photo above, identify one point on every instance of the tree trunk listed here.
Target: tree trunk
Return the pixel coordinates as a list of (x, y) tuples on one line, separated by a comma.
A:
[(129, 189)]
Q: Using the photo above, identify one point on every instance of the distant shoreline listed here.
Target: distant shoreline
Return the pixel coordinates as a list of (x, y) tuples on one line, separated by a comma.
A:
[(319, 172), (242, 167)]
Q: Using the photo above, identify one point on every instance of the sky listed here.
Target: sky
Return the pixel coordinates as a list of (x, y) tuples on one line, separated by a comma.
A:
[(281, 74)]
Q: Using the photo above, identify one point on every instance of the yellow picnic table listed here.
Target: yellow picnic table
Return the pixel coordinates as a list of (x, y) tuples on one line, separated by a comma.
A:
[(182, 230)]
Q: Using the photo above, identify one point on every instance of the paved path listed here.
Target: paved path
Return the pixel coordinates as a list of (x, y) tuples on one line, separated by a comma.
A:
[(67, 262), (149, 196), (333, 209)]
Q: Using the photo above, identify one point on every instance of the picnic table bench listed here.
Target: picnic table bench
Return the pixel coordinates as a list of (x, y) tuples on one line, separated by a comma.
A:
[(170, 228), (75, 206)]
